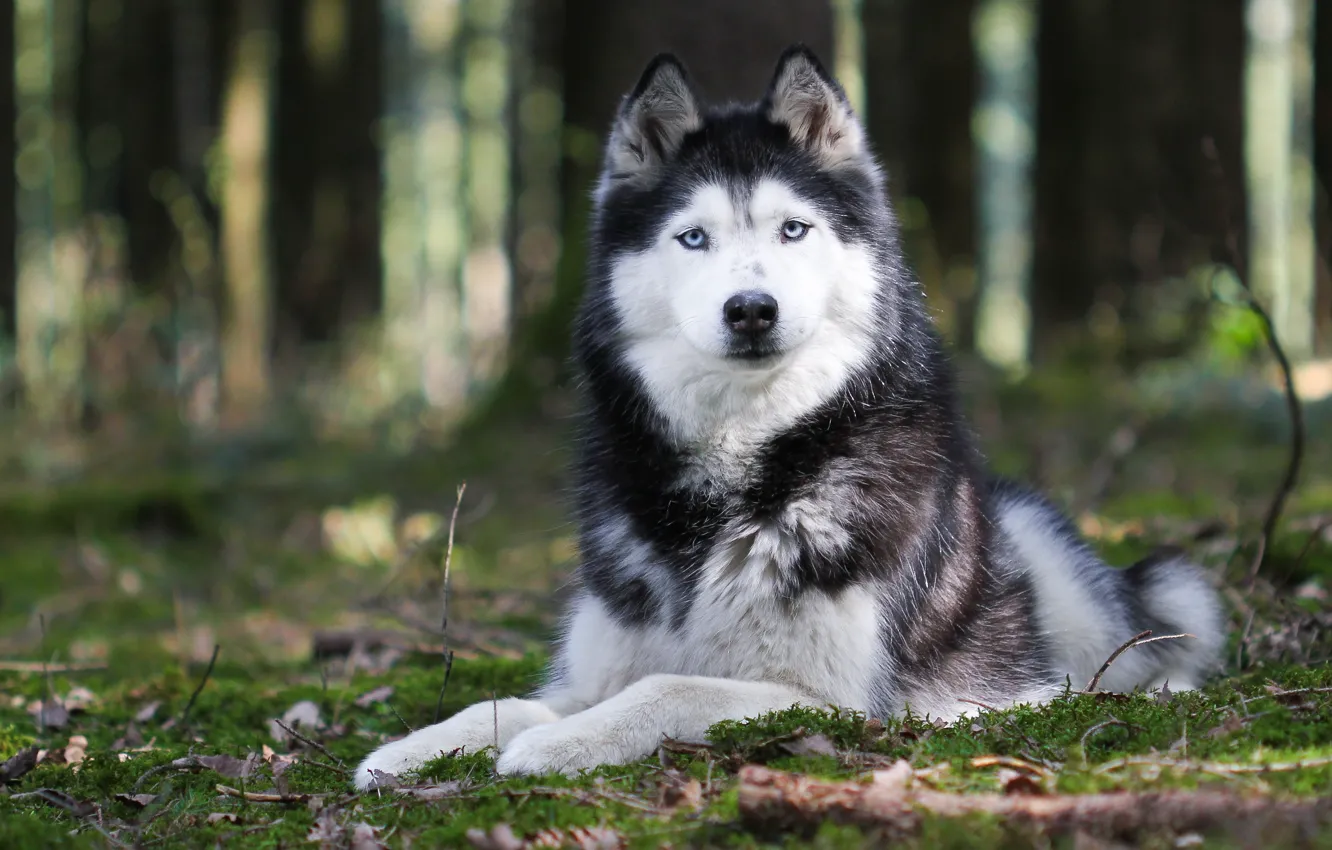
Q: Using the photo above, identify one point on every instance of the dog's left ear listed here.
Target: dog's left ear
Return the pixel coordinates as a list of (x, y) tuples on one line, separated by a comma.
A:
[(806, 98)]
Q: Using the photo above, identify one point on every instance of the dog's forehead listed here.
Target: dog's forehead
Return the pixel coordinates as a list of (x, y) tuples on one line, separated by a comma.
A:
[(742, 201)]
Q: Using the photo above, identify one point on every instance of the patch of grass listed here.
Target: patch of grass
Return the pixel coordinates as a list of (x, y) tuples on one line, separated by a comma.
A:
[(1268, 716)]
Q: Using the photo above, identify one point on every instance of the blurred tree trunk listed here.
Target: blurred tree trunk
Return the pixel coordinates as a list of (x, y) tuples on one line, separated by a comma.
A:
[(246, 252), (323, 154), (423, 225), (1005, 141), (488, 192), (149, 145), (921, 84), (1278, 135), (1323, 172), (51, 254), (537, 111), (848, 61), (1126, 204), (193, 288), (8, 197)]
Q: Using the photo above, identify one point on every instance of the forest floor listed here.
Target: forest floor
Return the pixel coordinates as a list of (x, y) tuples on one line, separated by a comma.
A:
[(155, 627)]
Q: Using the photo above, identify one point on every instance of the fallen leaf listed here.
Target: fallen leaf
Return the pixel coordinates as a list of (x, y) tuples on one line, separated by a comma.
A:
[(79, 698), (434, 791), (49, 715), (682, 795), (382, 780), (1229, 726), (223, 817), (581, 837), (18, 764), (76, 750), (60, 800), (369, 698), (132, 738), (812, 745), (326, 829), (230, 766), (146, 713), (500, 837), (363, 837), (301, 717), (137, 801), (1018, 782), (1166, 695), (897, 776)]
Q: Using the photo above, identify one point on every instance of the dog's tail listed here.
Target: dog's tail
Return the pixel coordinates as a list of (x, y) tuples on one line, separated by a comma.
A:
[(1170, 595)]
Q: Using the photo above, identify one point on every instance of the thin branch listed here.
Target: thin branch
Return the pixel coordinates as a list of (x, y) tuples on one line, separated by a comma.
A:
[(1137, 640), (444, 616), (1293, 406), (315, 744), (252, 797), (189, 706), (43, 667)]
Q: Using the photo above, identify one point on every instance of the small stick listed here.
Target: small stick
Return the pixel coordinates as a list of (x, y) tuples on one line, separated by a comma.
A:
[(1113, 721), (43, 667), (1137, 640), (253, 797), (189, 706), (318, 746), (1293, 406), (444, 624)]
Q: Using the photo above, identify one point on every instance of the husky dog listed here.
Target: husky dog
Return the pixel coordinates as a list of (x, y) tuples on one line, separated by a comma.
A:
[(778, 501)]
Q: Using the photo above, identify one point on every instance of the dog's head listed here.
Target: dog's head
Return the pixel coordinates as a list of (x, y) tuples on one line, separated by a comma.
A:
[(743, 247)]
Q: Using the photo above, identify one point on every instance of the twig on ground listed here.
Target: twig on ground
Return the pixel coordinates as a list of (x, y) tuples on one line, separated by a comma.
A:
[(45, 668), (1293, 406), (409, 726), (1014, 763), (1137, 640), (315, 744), (189, 706), (253, 797), (1218, 768), (770, 799), (1082, 743), (444, 616), (1317, 532), (189, 763)]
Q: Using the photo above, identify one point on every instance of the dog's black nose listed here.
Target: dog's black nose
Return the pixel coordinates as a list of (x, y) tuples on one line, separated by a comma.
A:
[(750, 313)]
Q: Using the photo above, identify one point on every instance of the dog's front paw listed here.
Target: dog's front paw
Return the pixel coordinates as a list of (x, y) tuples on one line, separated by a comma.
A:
[(471, 730), (566, 747)]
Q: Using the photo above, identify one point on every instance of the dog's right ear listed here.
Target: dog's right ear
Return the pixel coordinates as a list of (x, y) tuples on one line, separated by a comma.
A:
[(653, 120)]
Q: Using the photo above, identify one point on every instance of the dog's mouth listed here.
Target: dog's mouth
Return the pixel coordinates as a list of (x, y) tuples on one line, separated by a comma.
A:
[(754, 354)]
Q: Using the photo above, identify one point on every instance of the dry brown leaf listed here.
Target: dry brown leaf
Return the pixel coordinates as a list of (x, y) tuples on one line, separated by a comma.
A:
[(230, 766), (137, 801), (364, 837), (378, 695), (302, 717), (146, 713), (223, 817), (18, 764), (500, 837)]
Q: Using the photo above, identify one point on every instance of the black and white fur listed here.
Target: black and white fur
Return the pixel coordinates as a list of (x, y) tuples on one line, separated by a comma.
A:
[(778, 500)]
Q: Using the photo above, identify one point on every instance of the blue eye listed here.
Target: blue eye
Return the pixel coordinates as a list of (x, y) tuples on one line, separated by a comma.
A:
[(794, 230), (694, 239)]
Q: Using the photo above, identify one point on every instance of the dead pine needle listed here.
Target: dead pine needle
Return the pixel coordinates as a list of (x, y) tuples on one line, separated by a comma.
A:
[(189, 706), (444, 616), (1137, 640)]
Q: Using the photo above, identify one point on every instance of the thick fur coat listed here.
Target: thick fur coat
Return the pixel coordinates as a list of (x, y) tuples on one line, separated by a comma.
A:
[(778, 500)]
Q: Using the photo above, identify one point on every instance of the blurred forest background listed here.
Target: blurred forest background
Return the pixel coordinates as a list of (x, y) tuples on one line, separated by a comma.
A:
[(281, 275)]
